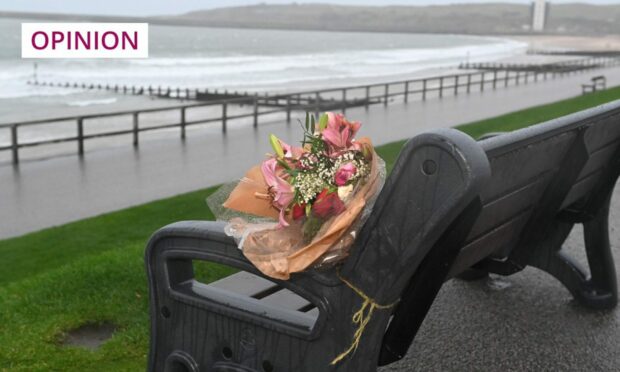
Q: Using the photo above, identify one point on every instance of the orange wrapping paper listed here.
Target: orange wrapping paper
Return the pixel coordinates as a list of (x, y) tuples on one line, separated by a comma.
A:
[(278, 252)]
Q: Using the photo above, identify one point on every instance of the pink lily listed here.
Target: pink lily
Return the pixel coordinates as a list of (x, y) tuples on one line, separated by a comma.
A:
[(280, 190), (339, 132)]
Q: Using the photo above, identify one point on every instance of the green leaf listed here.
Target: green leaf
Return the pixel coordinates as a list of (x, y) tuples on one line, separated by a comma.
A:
[(283, 163), (307, 122), (312, 124), (323, 122)]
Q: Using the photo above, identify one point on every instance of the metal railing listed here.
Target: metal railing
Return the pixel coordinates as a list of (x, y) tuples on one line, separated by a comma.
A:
[(314, 101)]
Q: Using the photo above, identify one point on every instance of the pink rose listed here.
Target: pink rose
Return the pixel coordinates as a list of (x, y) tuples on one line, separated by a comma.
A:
[(344, 174)]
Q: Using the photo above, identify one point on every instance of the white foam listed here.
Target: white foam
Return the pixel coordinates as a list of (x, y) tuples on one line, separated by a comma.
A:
[(91, 102), (244, 71)]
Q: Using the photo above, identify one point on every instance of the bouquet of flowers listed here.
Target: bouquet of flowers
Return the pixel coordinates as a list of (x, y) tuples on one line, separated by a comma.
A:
[(319, 193)]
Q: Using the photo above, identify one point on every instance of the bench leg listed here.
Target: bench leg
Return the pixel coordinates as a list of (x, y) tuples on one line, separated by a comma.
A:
[(602, 270), (597, 290)]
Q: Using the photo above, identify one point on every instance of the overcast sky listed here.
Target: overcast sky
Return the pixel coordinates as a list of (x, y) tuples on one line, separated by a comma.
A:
[(159, 7)]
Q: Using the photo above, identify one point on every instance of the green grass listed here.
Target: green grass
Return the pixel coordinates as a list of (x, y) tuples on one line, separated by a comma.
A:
[(92, 270)]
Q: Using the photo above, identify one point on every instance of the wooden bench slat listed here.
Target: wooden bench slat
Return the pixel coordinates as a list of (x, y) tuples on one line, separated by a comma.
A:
[(500, 241), (517, 167), (505, 208)]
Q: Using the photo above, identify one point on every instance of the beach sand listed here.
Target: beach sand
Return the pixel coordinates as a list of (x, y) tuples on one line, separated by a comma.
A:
[(555, 42)]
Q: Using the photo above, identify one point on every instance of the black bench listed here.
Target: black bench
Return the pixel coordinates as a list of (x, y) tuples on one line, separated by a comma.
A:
[(451, 205), (597, 83)]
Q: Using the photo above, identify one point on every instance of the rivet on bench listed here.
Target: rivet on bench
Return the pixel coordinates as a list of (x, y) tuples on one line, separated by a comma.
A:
[(227, 353), (429, 167), (165, 312)]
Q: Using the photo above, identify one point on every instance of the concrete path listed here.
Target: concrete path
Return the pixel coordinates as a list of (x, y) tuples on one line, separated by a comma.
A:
[(45, 193)]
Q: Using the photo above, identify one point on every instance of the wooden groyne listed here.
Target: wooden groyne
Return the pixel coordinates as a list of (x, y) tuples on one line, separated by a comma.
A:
[(577, 53), (552, 67), (152, 91)]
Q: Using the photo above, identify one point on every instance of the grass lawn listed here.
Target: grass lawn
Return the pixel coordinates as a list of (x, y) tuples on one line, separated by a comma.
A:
[(92, 270)]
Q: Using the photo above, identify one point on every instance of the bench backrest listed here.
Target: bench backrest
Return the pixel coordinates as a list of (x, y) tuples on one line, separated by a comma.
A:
[(535, 174), (432, 222), (522, 180)]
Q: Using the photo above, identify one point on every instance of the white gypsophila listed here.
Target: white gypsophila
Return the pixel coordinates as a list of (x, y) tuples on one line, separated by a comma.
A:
[(323, 171), (308, 185)]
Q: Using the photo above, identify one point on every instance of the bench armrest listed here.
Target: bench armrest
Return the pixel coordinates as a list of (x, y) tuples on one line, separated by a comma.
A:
[(196, 239), (206, 240), (169, 263)]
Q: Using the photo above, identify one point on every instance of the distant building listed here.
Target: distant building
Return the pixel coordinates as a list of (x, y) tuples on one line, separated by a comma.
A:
[(540, 11)]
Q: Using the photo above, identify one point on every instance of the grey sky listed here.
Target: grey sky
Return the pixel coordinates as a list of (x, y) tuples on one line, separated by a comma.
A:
[(159, 7)]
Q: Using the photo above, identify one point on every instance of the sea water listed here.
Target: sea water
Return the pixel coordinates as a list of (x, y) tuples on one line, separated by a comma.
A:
[(226, 58)]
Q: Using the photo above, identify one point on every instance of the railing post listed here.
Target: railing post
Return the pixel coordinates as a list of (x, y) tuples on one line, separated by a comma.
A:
[(494, 79), (424, 90), (317, 103), (456, 85), (506, 78), (468, 83), (367, 96), (406, 91), (344, 100), (255, 110), (482, 82), (224, 116), (80, 135), (14, 144), (441, 87), (386, 94), (288, 109), (135, 129), (183, 123)]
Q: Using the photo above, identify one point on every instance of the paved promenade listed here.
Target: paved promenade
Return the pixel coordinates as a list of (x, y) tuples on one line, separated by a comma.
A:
[(45, 193)]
